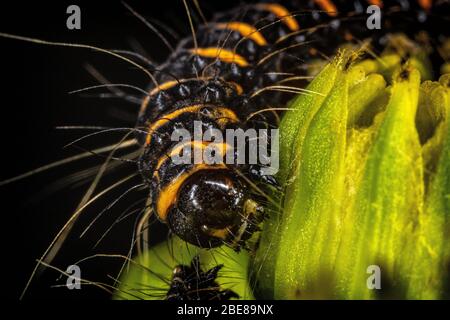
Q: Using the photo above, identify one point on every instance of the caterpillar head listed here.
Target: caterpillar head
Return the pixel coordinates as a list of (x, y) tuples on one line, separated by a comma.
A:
[(214, 207), (190, 282)]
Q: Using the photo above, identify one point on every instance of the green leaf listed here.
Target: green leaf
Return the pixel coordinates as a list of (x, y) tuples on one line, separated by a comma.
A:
[(312, 204), (292, 248), (362, 96), (301, 111), (389, 198), (433, 100), (292, 132), (430, 276)]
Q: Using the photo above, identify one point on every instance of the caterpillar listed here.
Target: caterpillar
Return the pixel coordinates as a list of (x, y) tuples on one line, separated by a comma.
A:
[(192, 283), (232, 73), (187, 282), (222, 77)]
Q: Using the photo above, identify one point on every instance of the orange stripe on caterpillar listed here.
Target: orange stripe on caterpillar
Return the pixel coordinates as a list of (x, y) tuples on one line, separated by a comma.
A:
[(327, 6), (161, 87), (426, 4), (246, 30), (170, 84), (378, 3), (164, 86), (219, 233), (282, 13), (223, 114), (224, 55), (239, 89), (220, 148)]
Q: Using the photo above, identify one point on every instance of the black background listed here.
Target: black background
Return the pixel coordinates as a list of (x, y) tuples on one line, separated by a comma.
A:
[(34, 95)]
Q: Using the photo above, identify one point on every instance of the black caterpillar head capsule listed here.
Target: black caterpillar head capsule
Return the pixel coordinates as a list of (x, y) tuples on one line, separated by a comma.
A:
[(214, 207), (191, 283)]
